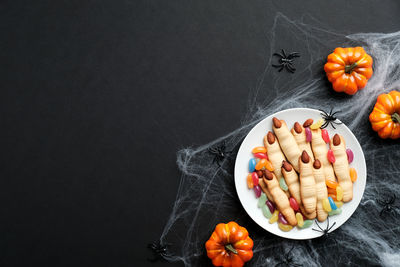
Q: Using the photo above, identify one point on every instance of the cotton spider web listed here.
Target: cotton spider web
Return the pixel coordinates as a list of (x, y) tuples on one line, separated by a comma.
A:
[(207, 196)]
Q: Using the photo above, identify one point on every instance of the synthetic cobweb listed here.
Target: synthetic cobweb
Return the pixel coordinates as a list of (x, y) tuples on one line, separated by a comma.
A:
[(207, 195)]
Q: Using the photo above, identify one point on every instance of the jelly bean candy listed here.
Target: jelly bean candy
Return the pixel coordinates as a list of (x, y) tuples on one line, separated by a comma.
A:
[(335, 212), (331, 156), (282, 219), (257, 191), (333, 196), (260, 164), (308, 134), (350, 155), (317, 124), (285, 227), (283, 184), (250, 181), (252, 165), (293, 204), (332, 203), (274, 217), (331, 191), (326, 205), (339, 193), (339, 204), (266, 212), (261, 156), (254, 176), (325, 135), (300, 219), (259, 149), (262, 200), (331, 184), (307, 223), (268, 166), (353, 175), (270, 206)]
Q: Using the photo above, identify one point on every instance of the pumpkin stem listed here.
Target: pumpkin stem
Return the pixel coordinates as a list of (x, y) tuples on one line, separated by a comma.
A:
[(349, 68), (231, 248), (396, 117)]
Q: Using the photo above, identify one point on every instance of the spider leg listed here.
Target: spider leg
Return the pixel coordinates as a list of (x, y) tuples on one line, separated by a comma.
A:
[(281, 68), (283, 53), (393, 199), (277, 66), (293, 55), (327, 223), (382, 211), (290, 68), (380, 202), (316, 230), (324, 124), (331, 226), (333, 126), (319, 226), (277, 54)]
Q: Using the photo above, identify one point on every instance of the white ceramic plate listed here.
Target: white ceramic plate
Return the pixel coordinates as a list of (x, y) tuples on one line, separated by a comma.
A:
[(255, 138)]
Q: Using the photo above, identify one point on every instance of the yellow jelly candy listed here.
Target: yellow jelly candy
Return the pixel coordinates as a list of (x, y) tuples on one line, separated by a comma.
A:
[(339, 193), (353, 175), (274, 217), (317, 124), (285, 227), (259, 149), (300, 220), (326, 205), (339, 204)]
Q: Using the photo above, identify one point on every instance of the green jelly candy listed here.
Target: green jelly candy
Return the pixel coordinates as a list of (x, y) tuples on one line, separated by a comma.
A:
[(283, 184), (307, 223), (335, 212), (261, 200), (266, 211)]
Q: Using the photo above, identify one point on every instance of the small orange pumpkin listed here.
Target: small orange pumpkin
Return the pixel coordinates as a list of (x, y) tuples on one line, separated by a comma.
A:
[(229, 245), (348, 69), (385, 118)]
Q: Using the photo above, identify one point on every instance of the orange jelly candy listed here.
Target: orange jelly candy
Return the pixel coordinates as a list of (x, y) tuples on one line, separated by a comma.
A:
[(331, 191), (333, 196), (331, 184), (353, 175), (259, 149), (250, 181), (261, 164), (268, 166)]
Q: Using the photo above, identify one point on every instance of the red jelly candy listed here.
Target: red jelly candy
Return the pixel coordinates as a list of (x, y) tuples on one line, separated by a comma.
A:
[(254, 176), (331, 156), (325, 135), (293, 204), (261, 156)]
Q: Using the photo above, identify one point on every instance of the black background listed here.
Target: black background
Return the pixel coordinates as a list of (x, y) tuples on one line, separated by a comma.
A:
[(97, 97)]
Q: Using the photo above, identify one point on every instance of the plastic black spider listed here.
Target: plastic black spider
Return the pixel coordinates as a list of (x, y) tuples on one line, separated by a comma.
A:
[(286, 61), (325, 231), (329, 118), (288, 260), (219, 152), (159, 251), (387, 205)]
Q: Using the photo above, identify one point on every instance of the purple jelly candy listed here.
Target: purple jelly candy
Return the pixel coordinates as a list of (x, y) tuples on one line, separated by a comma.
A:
[(257, 191), (282, 219), (270, 206), (308, 134), (350, 155)]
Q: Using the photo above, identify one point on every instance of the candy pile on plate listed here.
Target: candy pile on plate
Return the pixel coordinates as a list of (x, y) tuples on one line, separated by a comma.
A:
[(301, 174)]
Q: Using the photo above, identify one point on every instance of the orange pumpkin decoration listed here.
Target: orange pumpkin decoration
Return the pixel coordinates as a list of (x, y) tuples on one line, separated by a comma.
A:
[(229, 245), (385, 118), (348, 69)]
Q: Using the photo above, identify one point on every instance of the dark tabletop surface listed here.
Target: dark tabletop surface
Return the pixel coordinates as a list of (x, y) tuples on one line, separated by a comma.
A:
[(98, 96)]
